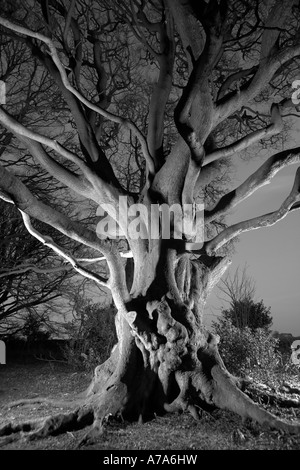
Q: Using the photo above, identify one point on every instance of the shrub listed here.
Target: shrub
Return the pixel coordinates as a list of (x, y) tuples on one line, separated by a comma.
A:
[(247, 312), (34, 329), (245, 350), (93, 337)]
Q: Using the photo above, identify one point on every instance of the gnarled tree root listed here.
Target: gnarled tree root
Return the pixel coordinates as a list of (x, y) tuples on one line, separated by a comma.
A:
[(44, 400), (40, 428), (227, 396), (111, 401), (196, 388)]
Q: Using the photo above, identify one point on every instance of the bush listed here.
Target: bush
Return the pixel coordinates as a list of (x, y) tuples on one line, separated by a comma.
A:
[(247, 312), (244, 350), (93, 337), (34, 329)]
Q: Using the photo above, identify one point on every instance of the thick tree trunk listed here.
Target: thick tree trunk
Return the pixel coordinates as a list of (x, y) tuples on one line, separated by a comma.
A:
[(164, 361)]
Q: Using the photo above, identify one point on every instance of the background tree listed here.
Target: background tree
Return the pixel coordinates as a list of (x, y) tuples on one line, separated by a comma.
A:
[(28, 278), (218, 65), (93, 334), (244, 327), (31, 277), (249, 313), (243, 310)]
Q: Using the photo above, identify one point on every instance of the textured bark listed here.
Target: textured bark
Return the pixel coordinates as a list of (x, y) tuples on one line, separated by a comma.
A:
[(165, 360)]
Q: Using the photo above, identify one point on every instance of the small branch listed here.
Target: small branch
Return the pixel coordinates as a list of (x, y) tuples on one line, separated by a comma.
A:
[(273, 26), (6, 197), (49, 270), (147, 24), (48, 241), (67, 25), (233, 78), (21, 130), (271, 59), (84, 186), (77, 183), (25, 201), (24, 269), (15, 192), (162, 88), (126, 254), (264, 74), (274, 128)]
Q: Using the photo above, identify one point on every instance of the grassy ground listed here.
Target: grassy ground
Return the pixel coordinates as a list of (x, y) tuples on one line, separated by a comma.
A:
[(217, 431)]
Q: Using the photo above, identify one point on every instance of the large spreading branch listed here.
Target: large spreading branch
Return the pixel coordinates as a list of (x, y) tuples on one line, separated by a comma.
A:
[(32, 140), (273, 128), (90, 185), (14, 191), (266, 220), (24, 268), (270, 61), (259, 178), (202, 39), (86, 132), (233, 78), (49, 242), (263, 76), (198, 84), (198, 91), (162, 88), (126, 123)]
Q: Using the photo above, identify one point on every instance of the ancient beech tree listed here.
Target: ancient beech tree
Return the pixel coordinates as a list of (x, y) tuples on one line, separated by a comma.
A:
[(175, 88)]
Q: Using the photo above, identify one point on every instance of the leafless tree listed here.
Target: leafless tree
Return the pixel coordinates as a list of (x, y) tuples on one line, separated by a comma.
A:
[(238, 287), (238, 290), (217, 64), (31, 277)]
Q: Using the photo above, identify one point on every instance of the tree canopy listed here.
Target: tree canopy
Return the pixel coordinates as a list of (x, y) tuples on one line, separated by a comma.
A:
[(149, 101)]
